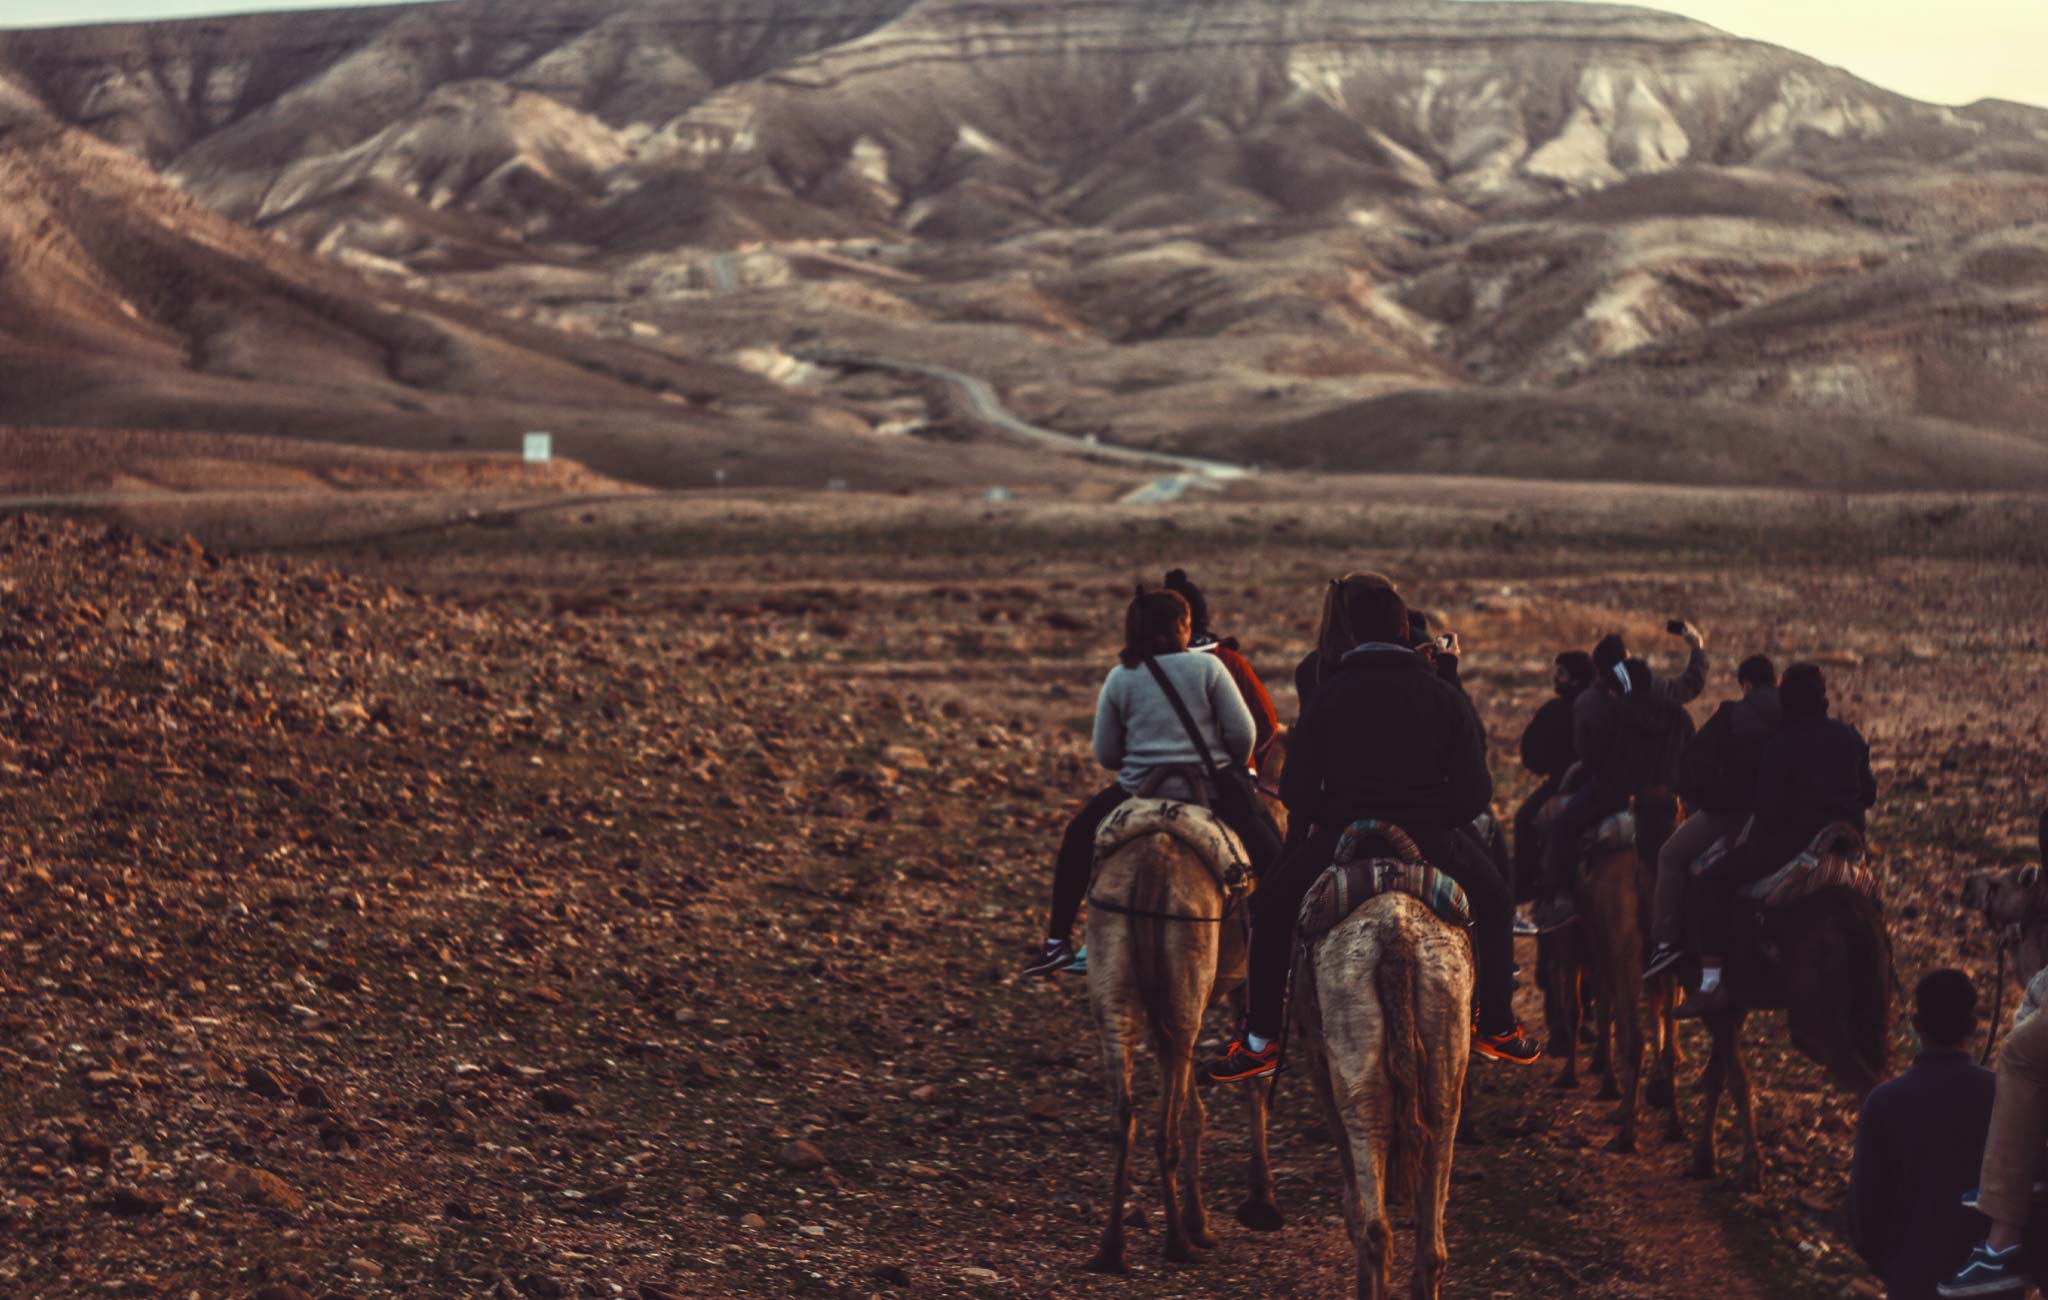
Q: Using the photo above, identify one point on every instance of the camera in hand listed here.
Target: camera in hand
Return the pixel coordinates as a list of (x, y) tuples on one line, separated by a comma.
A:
[(1675, 627)]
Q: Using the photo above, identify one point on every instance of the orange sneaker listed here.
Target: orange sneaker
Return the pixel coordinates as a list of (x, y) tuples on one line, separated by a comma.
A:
[(1240, 1062), (1514, 1047)]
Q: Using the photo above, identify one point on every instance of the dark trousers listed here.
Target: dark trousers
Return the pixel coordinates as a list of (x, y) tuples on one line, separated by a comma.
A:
[(1584, 811), (1528, 876), (1455, 853), (1713, 897), (1076, 861)]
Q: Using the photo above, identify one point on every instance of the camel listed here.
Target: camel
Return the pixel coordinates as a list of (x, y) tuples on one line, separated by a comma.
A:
[(1167, 949), (1387, 1019), (1605, 953), (1833, 976), (2014, 903)]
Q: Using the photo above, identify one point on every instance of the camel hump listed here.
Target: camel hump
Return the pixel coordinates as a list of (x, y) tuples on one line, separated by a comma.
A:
[(1201, 831), (1834, 859)]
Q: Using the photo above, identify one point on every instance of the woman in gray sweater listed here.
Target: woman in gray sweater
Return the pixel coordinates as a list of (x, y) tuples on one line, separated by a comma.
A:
[(1137, 733)]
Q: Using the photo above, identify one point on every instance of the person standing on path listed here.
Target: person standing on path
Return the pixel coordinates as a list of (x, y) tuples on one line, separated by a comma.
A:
[(1916, 1149)]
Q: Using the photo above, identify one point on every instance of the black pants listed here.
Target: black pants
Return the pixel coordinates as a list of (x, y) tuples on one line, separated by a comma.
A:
[(1457, 854), (1528, 876), (1076, 862), (1712, 900), (1586, 810)]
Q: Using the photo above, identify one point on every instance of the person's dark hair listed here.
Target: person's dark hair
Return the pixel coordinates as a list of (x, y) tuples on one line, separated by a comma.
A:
[(1610, 652), (1803, 693), (1945, 1009), (1418, 627), (1377, 614), (1334, 633), (1578, 667), (1198, 607), (1757, 670), (1153, 626)]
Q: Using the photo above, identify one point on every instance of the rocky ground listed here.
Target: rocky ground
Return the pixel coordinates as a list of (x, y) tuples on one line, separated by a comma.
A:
[(627, 903)]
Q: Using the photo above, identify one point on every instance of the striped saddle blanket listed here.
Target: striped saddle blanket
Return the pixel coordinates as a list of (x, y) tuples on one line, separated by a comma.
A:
[(1375, 858), (1835, 859)]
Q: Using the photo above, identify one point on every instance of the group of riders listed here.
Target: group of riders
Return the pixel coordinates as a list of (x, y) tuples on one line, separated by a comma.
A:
[(1387, 733)]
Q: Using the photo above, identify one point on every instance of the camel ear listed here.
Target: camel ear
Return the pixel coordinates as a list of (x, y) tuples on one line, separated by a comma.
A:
[(2030, 875)]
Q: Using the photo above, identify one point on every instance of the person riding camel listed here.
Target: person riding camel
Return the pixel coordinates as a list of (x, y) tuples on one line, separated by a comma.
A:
[(1139, 733), (1385, 738), (1717, 781), (1813, 774), (1548, 751), (1203, 640), (1629, 730), (1308, 674)]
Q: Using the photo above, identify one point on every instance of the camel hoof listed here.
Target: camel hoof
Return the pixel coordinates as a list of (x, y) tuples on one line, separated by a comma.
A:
[(1177, 1252), (1569, 1079), (1201, 1238), (1698, 1171), (1674, 1135), (1261, 1216), (1608, 1092), (1661, 1093), (1622, 1144), (1108, 1261)]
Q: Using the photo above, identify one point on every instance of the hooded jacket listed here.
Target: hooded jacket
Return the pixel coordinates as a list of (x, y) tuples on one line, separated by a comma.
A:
[(1386, 737), (1631, 742), (1718, 772), (1815, 772)]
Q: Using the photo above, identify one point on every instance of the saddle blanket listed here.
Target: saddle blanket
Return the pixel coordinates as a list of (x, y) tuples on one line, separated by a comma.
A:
[(1835, 859), (1374, 858), (1193, 825)]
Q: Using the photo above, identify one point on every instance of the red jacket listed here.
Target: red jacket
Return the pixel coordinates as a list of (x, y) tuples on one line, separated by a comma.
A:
[(1265, 718)]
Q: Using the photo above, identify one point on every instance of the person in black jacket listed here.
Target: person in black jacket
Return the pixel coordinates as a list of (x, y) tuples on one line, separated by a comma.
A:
[(1917, 1148), (1628, 729), (1547, 751), (1814, 773), (1384, 737), (1717, 781)]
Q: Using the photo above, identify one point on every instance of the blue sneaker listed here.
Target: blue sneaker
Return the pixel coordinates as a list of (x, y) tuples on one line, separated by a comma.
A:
[(1056, 956), (1079, 964), (1988, 1274)]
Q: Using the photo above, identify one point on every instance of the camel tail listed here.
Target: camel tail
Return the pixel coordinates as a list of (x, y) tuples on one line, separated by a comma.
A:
[(1394, 982), (1150, 962)]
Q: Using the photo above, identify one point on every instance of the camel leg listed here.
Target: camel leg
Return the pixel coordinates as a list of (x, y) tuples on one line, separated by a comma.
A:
[(1109, 1256), (1664, 1081), (1603, 1054), (1258, 1211), (1628, 1030), (1371, 1238), (1745, 1111), (1565, 970), (1433, 1175), (1194, 1215), (1712, 1080), (1176, 1072)]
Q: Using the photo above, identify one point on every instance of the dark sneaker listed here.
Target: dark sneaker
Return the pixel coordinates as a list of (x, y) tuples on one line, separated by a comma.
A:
[(1239, 1063), (1524, 927), (1698, 1005), (1514, 1047), (1057, 955), (1078, 966), (1554, 914), (1662, 960), (1988, 1275)]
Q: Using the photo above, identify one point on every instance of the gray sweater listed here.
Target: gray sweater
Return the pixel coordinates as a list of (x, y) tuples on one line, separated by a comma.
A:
[(1137, 731)]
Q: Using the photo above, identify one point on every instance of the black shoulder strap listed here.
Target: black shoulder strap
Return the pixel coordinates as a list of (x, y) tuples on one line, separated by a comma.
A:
[(1187, 719)]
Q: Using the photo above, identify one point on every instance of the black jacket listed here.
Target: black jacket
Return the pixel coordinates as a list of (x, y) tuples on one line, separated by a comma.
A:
[(1547, 747), (1814, 772), (1308, 672), (1718, 773), (1631, 743), (1918, 1149), (1387, 737)]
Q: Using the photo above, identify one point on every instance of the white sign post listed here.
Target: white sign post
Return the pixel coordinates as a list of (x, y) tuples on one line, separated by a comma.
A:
[(540, 448)]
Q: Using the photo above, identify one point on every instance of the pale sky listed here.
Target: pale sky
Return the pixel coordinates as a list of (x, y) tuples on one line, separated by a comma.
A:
[(1946, 51)]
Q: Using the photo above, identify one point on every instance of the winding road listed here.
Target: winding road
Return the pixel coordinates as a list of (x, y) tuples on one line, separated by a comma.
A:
[(986, 407)]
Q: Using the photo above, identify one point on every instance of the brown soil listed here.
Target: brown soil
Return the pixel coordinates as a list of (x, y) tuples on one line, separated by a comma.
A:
[(519, 899)]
